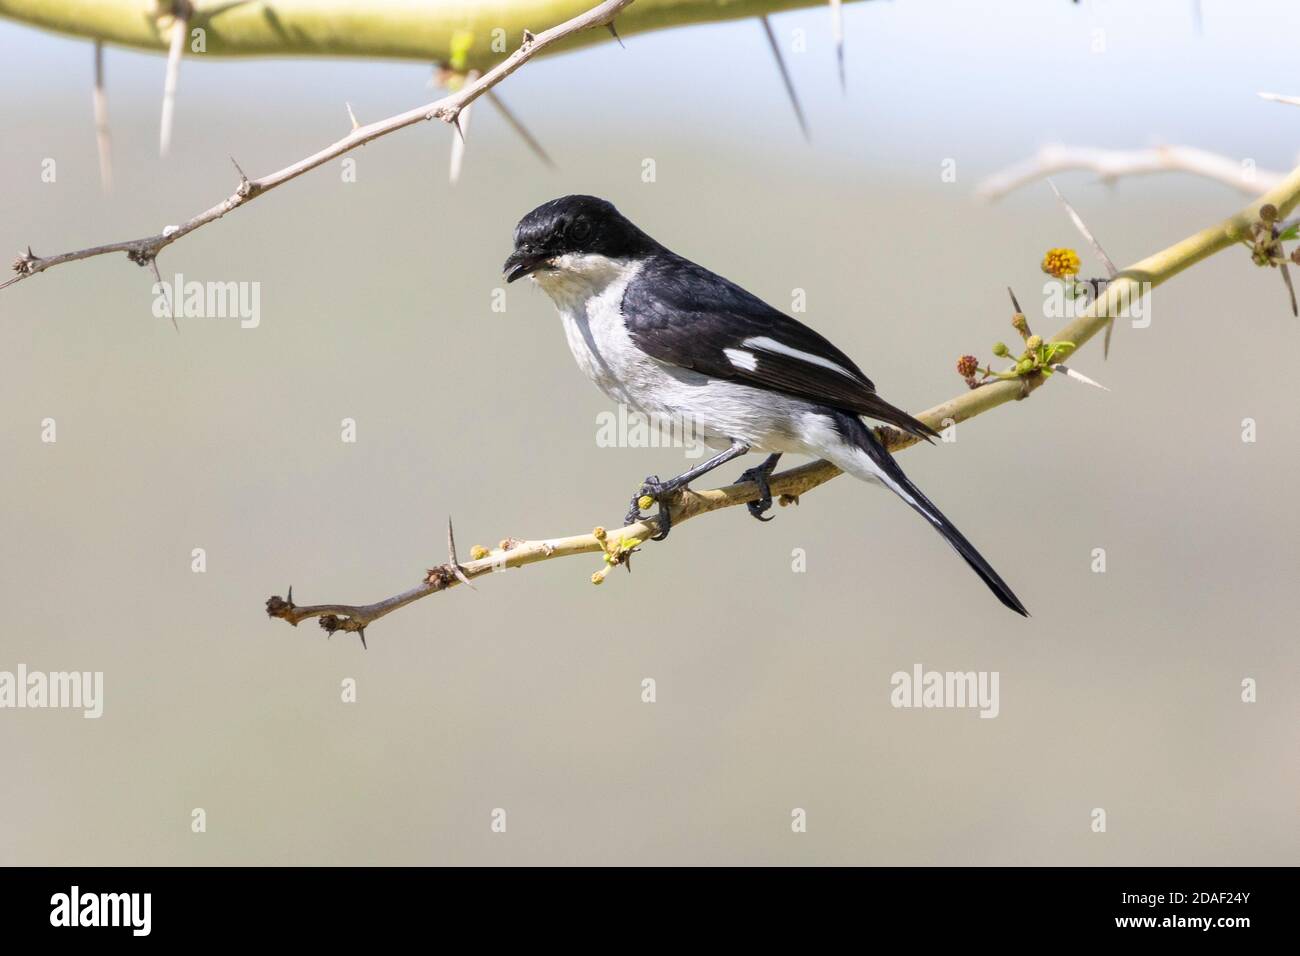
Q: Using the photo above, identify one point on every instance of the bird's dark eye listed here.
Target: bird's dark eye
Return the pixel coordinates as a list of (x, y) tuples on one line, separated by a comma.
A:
[(580, 230)]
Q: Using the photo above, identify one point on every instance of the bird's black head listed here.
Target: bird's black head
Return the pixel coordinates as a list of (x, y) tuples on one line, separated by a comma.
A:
[(573, 225)]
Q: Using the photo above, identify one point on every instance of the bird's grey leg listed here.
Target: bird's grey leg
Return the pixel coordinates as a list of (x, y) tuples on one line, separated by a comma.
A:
[(661, 490), (759, 475)]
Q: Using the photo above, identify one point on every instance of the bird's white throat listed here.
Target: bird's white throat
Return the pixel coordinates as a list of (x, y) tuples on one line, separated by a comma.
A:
[(574, 278)]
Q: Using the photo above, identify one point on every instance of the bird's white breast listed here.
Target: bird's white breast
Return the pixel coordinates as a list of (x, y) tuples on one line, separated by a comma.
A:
[(588, 293)]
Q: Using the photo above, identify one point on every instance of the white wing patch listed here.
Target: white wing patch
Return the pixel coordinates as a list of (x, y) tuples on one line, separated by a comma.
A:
[(772, 345), (746, 360)]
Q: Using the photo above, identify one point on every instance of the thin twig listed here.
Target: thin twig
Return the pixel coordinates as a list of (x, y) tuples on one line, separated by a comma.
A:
[(1151, 272), (1111, 165), (144, 250), (1279, 98)]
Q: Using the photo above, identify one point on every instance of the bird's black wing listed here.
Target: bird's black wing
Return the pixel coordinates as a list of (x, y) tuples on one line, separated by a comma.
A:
[(682, 314)]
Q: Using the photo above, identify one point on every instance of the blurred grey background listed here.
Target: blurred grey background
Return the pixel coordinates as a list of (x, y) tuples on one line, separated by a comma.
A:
[(1122, 692)]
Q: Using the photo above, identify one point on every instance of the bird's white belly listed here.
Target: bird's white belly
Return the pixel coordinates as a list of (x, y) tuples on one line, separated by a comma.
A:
[(716, 411)]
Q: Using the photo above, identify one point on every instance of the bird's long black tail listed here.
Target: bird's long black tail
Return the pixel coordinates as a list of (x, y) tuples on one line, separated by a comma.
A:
[(882, 467)]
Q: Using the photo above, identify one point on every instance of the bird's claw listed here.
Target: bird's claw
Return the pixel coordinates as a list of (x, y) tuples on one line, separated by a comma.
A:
[(759, 475), (653, 488)]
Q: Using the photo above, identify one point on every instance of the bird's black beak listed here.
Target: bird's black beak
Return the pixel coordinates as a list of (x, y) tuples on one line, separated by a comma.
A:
[(522, 262)]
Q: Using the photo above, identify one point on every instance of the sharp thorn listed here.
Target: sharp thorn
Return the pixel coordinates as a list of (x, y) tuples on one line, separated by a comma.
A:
[(1111, 271), (785, 76), (837, 32), (519, 127), (175, 49), (614, 33), (352, 116), (171, 308), (1286, 278), (362, 632), (1078, 376), (1014, 303), (103, 136), (290, 598), (453, 561), (242, 177)]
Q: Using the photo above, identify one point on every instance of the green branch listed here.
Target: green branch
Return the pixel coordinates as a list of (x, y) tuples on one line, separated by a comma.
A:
[(618, 546), (453, 32)]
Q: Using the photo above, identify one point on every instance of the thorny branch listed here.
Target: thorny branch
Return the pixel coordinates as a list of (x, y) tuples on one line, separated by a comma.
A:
[(448, 109), (618, 545)]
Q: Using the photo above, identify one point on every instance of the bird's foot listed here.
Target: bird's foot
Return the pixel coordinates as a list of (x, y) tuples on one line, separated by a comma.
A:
[(759, 475), (660, 493)]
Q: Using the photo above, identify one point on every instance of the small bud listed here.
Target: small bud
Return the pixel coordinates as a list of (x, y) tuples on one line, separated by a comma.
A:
[(1268, 212), (1033, 342), (478, 552), (598, 533), (1025, 366), (972, 383), (1000, 349), (598, 577), (1020, 323), (967, 366), (645, 502)]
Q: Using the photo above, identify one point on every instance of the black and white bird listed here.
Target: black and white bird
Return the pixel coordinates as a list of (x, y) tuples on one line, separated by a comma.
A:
[(669, 338)]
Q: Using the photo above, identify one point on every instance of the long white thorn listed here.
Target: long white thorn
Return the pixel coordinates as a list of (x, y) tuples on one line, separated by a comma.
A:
[(1111, 271), (837, 33), (1078, 377), (103, 139), (180, 30), (458, 142)]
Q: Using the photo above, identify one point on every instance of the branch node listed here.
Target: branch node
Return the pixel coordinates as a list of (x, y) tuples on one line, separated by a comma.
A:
[(26, 263), (277, 606), (246, 186)]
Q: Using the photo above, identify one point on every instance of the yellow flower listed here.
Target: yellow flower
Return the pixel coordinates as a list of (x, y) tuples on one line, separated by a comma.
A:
[(1061, 263)]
